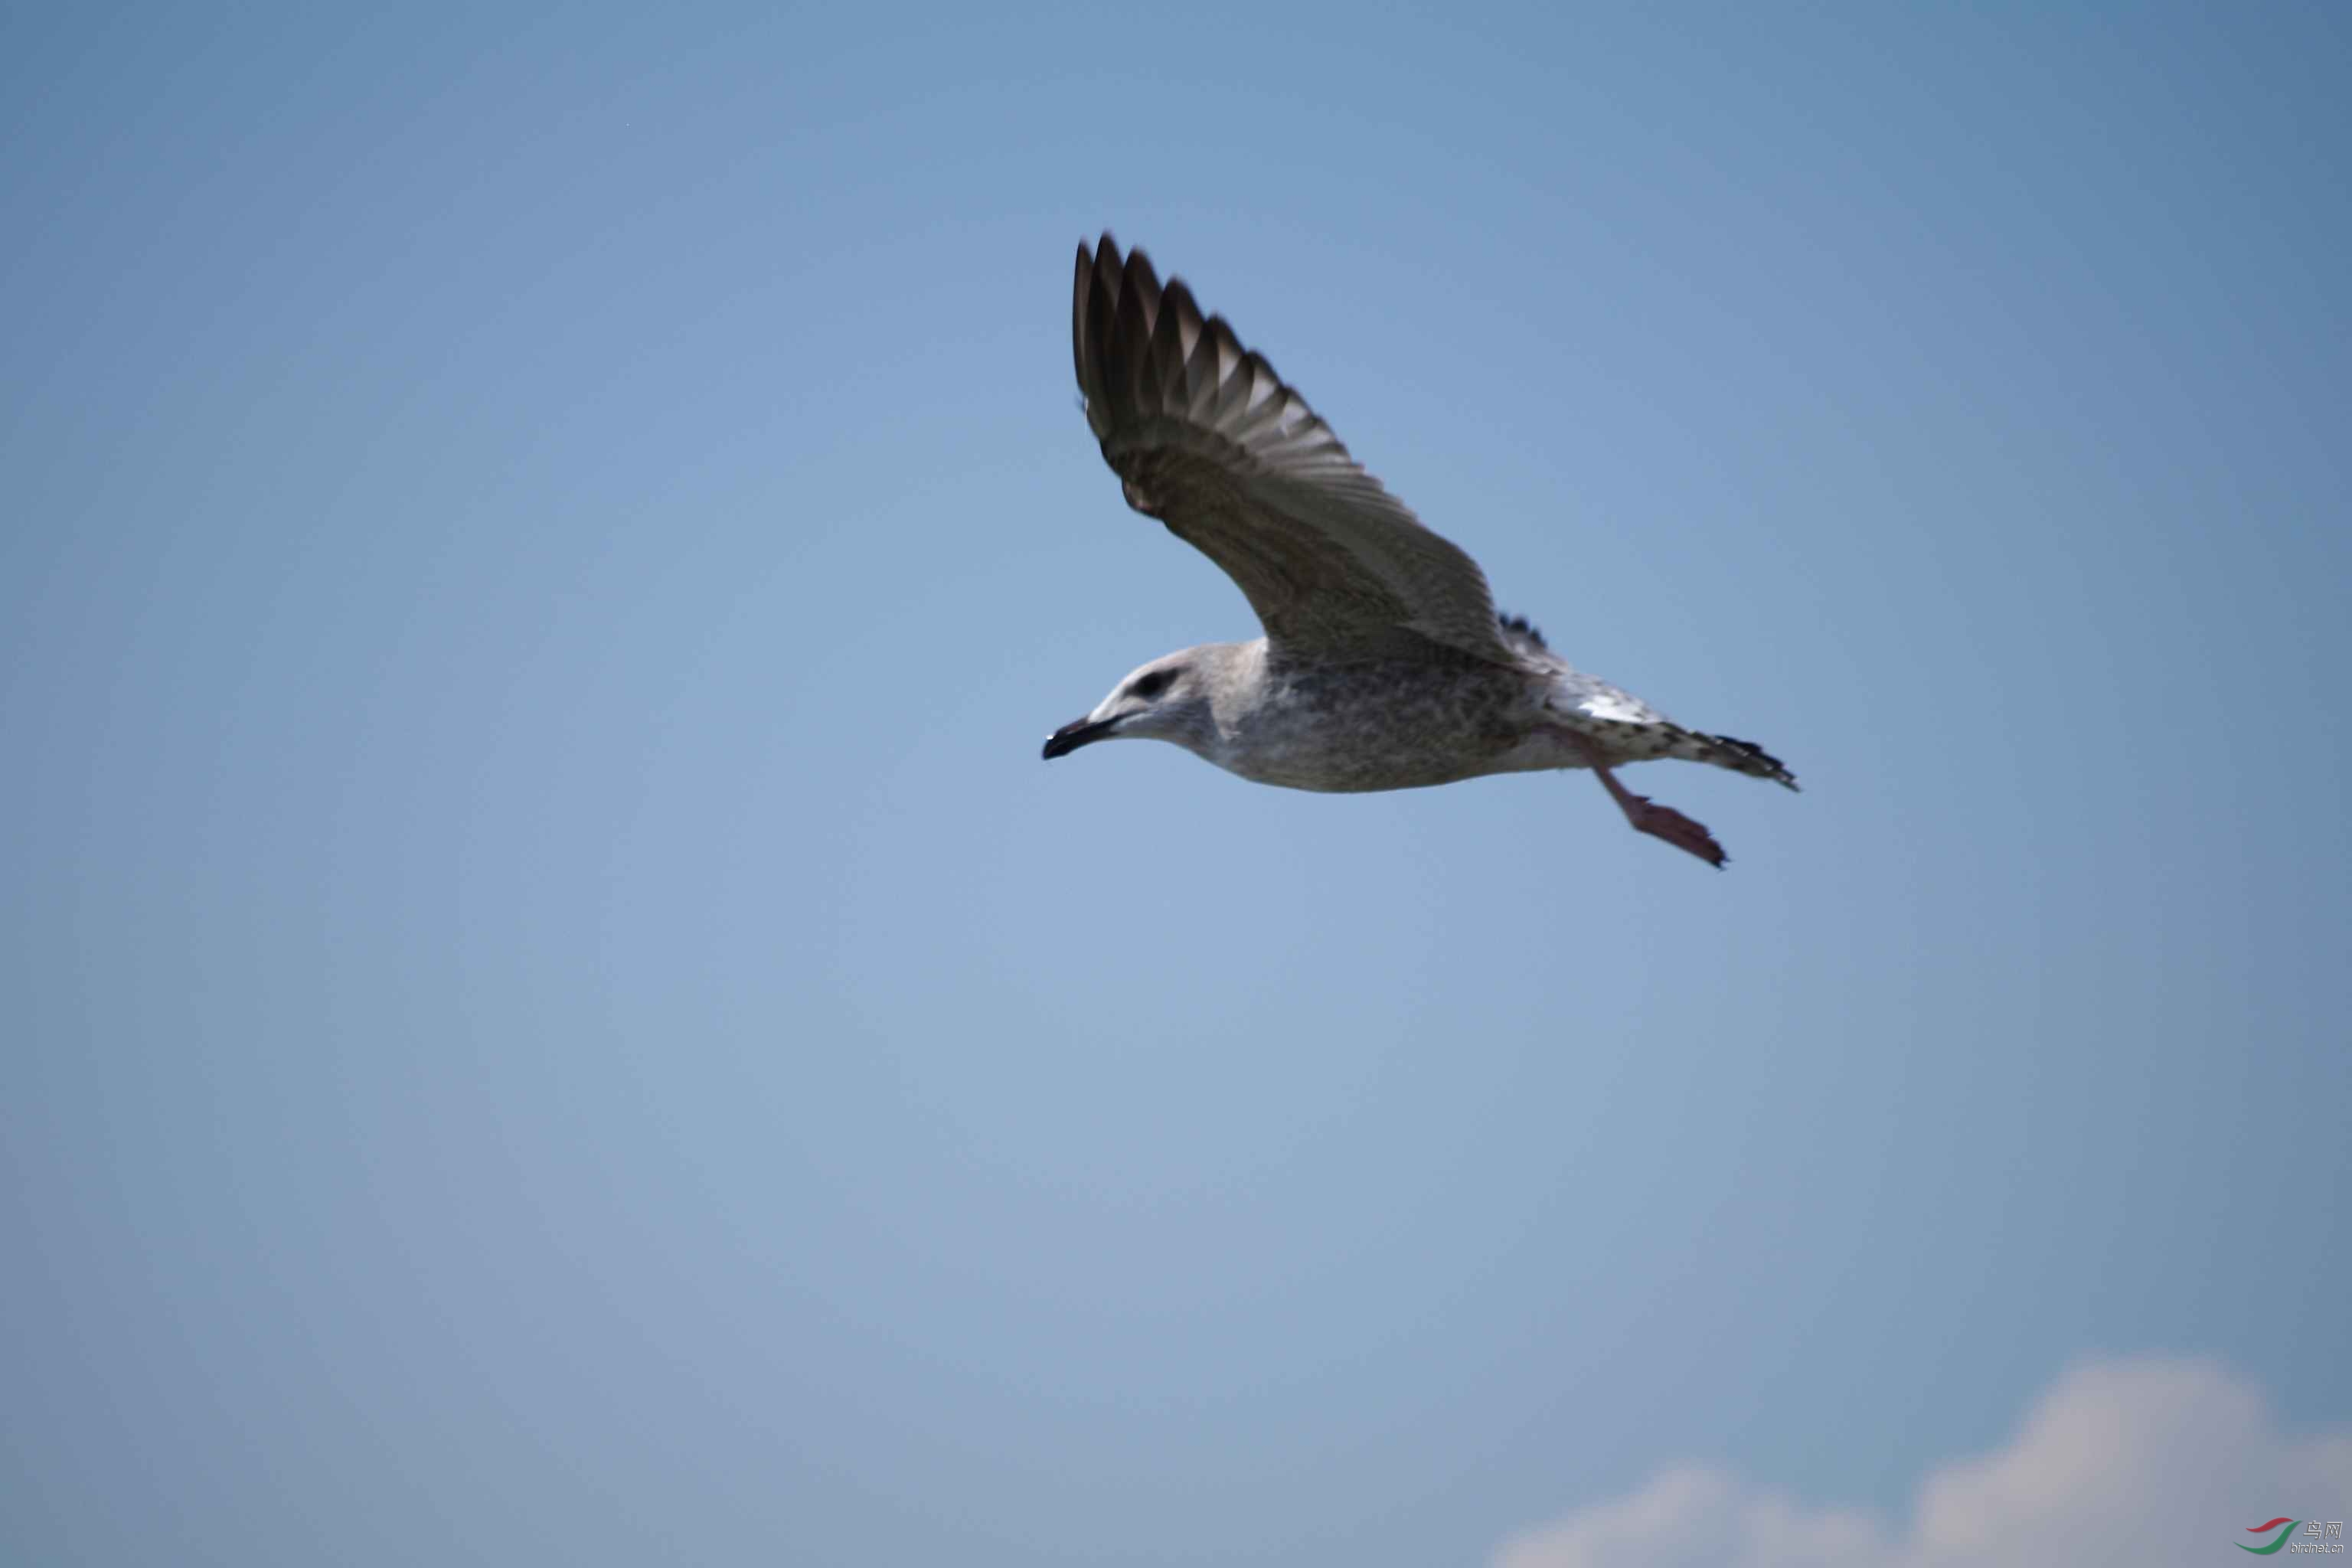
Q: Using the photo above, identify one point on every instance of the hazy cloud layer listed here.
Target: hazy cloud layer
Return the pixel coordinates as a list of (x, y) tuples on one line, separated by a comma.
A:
[(2143, 1461)]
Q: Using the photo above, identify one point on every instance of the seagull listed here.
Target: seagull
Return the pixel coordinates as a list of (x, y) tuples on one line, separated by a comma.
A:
[(1384, 663)]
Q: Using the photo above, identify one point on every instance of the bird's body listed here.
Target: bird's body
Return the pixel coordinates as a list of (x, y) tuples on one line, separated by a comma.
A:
[(1347, 727), (1344, 728), (1384, 665)]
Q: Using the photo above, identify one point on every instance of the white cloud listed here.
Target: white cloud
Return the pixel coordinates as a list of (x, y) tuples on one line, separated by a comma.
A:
[(2145, 1462)]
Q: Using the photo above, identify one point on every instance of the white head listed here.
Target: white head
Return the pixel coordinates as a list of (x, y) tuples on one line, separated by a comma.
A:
[(1170, 698)]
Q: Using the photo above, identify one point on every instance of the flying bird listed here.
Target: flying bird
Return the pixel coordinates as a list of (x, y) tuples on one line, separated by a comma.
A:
[(1384, 664)]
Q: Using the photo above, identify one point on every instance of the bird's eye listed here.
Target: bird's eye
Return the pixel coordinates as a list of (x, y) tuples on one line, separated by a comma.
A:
[(1150, 686)]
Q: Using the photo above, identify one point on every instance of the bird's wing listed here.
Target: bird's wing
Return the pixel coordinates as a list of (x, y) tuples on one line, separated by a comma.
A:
[(1211, 441)]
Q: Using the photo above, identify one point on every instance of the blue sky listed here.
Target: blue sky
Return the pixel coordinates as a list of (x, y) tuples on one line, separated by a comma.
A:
[(560, 1016)]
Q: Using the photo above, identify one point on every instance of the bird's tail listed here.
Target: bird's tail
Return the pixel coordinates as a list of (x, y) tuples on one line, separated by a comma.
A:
[(1724, 752)]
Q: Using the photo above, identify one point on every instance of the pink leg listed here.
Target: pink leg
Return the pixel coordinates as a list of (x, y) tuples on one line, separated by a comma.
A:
[(1659, 821)]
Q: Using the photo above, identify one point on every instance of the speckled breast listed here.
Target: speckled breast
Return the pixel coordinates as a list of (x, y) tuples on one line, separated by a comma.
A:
[(1349, 728)]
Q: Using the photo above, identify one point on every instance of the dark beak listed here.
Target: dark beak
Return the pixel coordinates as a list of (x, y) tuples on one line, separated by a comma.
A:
[(1074, 735)]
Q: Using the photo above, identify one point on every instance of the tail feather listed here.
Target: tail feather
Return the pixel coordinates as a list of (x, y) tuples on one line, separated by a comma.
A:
[(1739, 757)]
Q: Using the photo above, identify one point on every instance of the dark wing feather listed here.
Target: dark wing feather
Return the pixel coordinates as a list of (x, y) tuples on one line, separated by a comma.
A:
[(1206, 438)]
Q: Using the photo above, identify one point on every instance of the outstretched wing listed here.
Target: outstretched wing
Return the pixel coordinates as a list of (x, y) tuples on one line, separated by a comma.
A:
[(1209, 440)]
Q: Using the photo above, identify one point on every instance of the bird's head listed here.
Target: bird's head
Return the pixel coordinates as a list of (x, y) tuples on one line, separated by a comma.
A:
[(1167, 700)]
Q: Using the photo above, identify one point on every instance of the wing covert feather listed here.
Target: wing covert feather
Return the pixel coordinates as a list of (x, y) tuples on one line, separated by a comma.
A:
[(1206, 438)]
